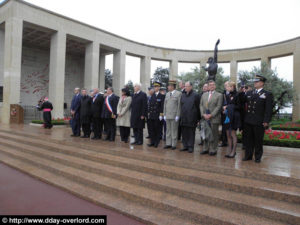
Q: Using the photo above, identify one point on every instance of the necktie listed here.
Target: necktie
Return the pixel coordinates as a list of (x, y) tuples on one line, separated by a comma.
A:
[(209, 97), (171, 94)]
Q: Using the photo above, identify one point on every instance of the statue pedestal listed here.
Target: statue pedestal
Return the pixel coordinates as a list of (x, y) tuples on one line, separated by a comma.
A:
[(16, 114)]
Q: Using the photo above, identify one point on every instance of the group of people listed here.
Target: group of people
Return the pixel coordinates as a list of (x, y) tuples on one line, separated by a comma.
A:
[(177, 114)]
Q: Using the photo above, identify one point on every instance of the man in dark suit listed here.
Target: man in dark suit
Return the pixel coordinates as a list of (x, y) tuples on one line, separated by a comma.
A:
[(85, 113), (150, 93), (190, 116), (182, 89), (155, 115), (259, 107), (138, 114), (97, 104), (109, 113), (75, 112)]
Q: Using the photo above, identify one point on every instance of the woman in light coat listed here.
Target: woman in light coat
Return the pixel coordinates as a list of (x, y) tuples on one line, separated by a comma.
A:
[(123, 111)]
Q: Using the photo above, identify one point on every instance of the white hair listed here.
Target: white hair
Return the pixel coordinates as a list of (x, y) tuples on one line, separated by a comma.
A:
[(77, 89), (138, 85)]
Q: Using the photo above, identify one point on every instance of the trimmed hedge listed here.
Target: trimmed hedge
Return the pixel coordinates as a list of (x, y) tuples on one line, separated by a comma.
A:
[(278, 142), (288, 128), (54, 122)]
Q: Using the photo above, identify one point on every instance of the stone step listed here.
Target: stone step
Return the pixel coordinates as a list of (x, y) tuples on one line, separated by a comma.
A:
[(268, 190), (193, 210), (277, 210), (136, 211), (157, 156)]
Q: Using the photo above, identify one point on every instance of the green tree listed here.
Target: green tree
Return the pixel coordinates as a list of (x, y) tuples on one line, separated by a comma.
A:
[(162, 75), (198, 77), (129, 85), (282, 89), (108, 78)]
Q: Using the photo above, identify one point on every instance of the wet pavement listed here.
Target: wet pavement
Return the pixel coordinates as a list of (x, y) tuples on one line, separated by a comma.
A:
[(279, 161)]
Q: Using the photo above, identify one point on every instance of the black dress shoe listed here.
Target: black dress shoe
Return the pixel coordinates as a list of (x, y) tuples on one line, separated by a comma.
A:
[(183, 149), (133, 143), (232, 156), (82, 136), (173, 148), (139, 143), (74, 135), (95, 138), (246, 159), (150, 145), (204, 152), (257, 160), (148, 137), (167, 146), (212, 153), (156, 145), (191, 150), (200, 143)]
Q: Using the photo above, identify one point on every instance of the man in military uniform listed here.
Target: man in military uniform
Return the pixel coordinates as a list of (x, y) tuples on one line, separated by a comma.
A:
[(172, 109), (155, 115), (259, 105)]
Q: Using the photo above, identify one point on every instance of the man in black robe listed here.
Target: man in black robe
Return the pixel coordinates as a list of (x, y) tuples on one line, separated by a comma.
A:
[(47, 108), (85, 113), (138, 114)]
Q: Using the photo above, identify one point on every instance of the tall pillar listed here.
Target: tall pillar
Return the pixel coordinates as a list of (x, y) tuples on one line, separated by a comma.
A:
[(12, 65), (1, 56), (91, 67), (102, 73), (173, 69), (145, 72), (119, 70), (57, 73), (266, 60), (296, 82), (233, 71)]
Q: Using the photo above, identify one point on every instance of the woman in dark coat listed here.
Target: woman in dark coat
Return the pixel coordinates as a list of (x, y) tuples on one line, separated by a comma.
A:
[(47, 108), (85, 113), (231, 107)]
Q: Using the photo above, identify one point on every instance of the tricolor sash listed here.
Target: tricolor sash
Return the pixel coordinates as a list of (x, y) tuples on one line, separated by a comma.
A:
[(108, 104)]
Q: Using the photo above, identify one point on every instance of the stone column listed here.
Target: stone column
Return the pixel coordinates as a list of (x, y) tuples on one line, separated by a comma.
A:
[(12, 65), (173, 69), (102, 73), (233, 71), (203, 62), (145, 74), (296, 82), (57, 73), (91, 67), (267, 60), (1, 56), (119, 71)]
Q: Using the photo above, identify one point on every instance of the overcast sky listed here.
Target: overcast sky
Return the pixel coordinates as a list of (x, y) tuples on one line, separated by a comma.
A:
[(189, 24)]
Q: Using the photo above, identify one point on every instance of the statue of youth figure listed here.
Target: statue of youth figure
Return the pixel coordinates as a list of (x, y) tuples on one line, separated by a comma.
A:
[(212, 64)]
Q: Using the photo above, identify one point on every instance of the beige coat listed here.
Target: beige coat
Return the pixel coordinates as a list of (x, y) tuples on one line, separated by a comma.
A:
[(123, 111), (214, 105), (172, 105)]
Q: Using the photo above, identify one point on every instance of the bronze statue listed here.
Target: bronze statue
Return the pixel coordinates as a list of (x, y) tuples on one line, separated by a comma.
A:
[(213, 64)]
